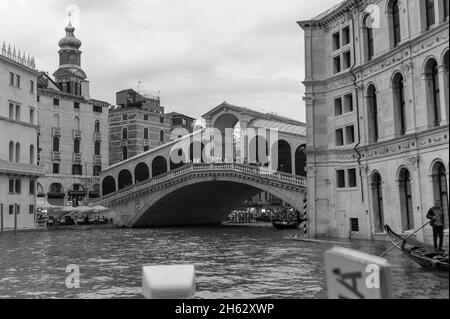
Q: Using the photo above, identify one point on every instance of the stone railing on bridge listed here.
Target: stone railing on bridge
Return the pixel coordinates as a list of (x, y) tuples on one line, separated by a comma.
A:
[(261, 172)]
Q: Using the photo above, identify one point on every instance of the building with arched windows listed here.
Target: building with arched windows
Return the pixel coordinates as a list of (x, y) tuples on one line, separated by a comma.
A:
[(73, 136), (18, 161), (377, 109)]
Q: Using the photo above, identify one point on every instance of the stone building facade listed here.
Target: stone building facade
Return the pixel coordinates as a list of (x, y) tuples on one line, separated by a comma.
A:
[(377, 111), (73, 131), (18, 144)]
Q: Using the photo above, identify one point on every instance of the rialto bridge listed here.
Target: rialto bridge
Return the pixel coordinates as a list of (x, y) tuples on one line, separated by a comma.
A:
[(200, 178)]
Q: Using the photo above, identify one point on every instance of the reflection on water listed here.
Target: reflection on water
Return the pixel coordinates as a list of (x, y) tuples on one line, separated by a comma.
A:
[(230, 263)]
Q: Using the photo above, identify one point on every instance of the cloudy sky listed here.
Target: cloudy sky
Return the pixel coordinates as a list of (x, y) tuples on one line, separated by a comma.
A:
[(197, 53)]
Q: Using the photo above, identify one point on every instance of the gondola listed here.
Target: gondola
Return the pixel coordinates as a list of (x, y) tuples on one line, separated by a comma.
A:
[(419, 252), (285, 224)]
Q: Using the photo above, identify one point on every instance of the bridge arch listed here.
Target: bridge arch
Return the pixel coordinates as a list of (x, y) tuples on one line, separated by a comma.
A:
[(300, 161), (125, 179), (141, 172), (284, 157), (108, 185), (205, 200), (159, 166)]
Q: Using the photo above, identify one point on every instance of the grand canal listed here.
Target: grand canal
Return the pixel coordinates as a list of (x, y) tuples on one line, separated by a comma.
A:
[(231, 262)]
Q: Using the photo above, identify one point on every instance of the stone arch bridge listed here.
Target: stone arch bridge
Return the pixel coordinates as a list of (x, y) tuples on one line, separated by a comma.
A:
[(151, 189)]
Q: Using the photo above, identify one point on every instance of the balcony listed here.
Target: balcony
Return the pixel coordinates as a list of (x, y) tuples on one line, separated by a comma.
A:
[(77, 158), (97, 159), (97, 136), (56, 156), (21, 169), (76, 134), (56, 131)]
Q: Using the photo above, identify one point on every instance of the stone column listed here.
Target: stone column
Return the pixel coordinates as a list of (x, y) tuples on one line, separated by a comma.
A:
[(292, 158), (419, 217), (443, 92), (311, 200)]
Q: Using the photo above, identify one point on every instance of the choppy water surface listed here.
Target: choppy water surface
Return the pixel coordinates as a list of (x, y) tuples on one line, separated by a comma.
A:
[(231, 262)]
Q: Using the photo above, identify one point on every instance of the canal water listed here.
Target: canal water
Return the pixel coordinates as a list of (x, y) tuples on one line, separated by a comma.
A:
[(231, 262)]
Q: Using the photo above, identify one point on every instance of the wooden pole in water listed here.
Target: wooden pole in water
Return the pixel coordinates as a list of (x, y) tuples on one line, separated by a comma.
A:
[(1, 218), (15, 217)]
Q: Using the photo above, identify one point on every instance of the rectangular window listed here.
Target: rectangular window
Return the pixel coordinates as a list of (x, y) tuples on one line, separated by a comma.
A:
[(348, 103), (18, 209), (97, 170), (18, 81), (340, 178), (31, 116), (76, 105), (55, 168), (32, 87), (11, 78), (56, 102), (11, 111), (145, 117), (97, 109), (11, 209), (18, 188), (354, 224), (350, 134), (337, 64), (31, 209), (161, 120), (347, 60), (11, 186), (124, 117), (346, 36), (352, 178), (38, 98), (77, 169), (336, 41), (32, 187), (17, 112), (339, 137), (338, 106)]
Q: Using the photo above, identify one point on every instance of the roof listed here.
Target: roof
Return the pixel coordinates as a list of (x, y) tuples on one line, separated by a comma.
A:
[(268, 116), (180, 115), (282, 127)]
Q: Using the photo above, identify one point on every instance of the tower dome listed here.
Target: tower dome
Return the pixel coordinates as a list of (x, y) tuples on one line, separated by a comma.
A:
[(69, 41)]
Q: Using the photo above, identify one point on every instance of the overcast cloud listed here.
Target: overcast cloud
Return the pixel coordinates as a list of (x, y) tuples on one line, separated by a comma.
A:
[(198, 53)]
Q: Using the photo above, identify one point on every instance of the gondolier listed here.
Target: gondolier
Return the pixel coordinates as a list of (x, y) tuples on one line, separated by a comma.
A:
[(436, 215)]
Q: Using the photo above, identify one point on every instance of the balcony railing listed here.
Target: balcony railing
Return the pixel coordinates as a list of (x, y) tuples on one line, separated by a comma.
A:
[(56, 131), (77, 158), (97, 159), (76, 134), (20, 168), (97, 136), (56, 156)]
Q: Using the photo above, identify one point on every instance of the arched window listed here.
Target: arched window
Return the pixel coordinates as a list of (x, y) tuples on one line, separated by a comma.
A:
[(124, 133), (406, 204), (161, 136), (76, 123), (398, 89), (432, 93), (377, 199), (17, 152), (97, 126), (368, 37), (145, 133), (124, 153), (11, 151), (394, 22), (55, 144), (56, 120), (76, 146), (372, 113), (440, 189), (429, 11), (32, 154), (97, 147)]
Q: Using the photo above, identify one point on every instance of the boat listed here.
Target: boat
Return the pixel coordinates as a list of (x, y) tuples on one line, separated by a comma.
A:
[(419, 252), (285, 224)]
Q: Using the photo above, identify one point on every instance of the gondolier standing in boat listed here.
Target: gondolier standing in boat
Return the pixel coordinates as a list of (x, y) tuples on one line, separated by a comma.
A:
[(436, 215)]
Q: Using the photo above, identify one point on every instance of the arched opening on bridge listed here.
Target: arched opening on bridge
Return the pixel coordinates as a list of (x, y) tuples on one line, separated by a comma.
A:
[(141, 172), (125, 179), (179, 155), (284, 157), (300, 161), (159, 166), (196, 154), (56, 194), (257, 152), (108, 185), (231, 147)]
